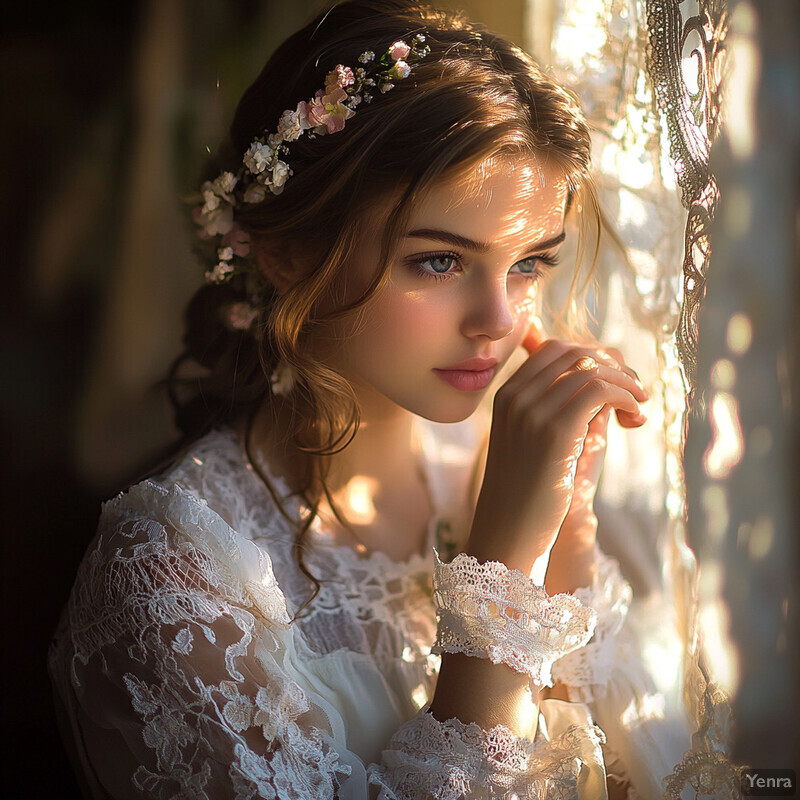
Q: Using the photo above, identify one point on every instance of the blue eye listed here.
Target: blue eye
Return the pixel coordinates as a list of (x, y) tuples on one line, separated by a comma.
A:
[(528, 266), (438, 264), (533, 267)]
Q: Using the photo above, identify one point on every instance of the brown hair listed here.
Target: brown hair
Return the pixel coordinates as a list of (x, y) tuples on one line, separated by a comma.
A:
[(474, 97)]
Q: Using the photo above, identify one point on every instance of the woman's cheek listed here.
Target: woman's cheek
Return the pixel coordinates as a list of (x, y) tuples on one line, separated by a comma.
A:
[(522, 298)]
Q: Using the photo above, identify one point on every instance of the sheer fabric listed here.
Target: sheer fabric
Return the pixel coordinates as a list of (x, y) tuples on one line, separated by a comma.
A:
[(179, 672)]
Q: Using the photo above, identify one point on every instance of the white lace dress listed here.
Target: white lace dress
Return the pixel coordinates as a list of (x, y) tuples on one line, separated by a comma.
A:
[(178, 672)]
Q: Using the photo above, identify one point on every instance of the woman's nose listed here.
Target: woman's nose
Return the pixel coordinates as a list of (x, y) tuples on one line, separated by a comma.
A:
[(489, 312)]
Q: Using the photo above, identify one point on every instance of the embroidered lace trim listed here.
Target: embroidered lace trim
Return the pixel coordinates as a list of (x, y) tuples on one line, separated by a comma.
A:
[(489, 611), (610, 595), (453, 760)]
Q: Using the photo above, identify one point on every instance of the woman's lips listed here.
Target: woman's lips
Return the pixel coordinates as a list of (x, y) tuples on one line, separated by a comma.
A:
[(469, 376)]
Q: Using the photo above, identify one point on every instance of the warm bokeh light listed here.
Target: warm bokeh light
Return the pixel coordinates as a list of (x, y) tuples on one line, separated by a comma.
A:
[(726, 447), (739, 335), (714, 623), (358, 504)]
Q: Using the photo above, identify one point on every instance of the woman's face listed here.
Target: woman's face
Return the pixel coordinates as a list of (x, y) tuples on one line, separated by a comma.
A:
[(459, 294)]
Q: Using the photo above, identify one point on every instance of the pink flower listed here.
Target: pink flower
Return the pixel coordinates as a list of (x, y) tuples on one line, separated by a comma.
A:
[(399, 50), (238, 241), (340, 76), (326, 111), (240, 316)]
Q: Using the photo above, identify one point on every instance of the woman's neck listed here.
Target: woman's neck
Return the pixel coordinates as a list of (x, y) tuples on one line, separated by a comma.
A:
[(376, 483)]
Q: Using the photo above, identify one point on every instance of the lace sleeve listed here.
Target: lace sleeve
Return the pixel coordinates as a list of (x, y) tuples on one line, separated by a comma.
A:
[(586, 671), (452, 760), (179, 664), (183, 677)]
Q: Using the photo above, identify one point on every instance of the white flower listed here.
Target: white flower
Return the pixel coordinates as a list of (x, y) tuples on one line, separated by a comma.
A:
[(220, 273), (289, 127), (218, 221), (386, 87), (255, 193), (400, 70), (420, 37), (224, 184), (211, 199), (258, 158), (366, 57), (282, 379), (280, 173), (225, 253)]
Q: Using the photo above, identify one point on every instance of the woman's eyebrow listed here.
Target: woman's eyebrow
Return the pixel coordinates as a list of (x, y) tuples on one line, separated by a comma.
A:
[(464, 243)]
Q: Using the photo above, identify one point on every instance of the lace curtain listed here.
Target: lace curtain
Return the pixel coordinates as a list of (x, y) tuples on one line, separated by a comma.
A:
[(654, 77)]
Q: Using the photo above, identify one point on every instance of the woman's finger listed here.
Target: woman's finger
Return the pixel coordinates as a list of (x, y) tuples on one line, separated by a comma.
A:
[(563, 369)]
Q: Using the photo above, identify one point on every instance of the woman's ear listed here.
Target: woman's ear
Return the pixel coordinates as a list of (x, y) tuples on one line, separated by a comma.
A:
[(278, 263)]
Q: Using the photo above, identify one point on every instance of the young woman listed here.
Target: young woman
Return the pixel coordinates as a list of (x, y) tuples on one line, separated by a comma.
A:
[(336, 590)]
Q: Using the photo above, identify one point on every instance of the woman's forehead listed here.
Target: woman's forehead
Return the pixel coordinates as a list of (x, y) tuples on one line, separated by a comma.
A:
[(499, 199)]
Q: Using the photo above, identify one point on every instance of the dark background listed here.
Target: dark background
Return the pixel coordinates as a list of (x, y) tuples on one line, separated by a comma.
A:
[(58, 71)]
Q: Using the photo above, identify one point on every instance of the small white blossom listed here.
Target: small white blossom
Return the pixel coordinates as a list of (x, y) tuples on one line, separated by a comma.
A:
[(280, 173), (225, 253), (211, 199), (258, 158), (220, 273), (366, 57), (421, 37), (289, 126), (400, 70), (224, 184), (386, 87), (217, 222), (282, 379)]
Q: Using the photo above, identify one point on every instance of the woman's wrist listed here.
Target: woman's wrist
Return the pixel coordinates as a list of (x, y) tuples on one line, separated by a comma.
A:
[(476, 690), (573, 560)]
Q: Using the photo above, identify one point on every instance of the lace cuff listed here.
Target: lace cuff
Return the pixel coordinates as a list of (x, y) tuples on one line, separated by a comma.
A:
[(453, 760), (489, 611), (610, 596)]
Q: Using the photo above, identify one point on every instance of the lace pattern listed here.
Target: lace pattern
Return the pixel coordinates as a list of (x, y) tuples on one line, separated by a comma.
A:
[(472, 763), (489, 611), (170, 610), (587, 670), (184, 677)]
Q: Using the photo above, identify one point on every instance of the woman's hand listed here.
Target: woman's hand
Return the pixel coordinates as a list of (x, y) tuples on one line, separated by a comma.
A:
[(546, 448)]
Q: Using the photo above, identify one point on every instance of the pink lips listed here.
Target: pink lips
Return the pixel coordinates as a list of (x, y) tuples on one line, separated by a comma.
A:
[(472, 375)]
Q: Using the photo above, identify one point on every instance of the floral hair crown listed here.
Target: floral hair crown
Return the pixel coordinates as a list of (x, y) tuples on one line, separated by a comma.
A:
[(264, 168)]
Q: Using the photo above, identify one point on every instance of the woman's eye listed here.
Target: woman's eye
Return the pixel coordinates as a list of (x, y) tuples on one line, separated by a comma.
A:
[(534, 266), (529, 267), (438, 264)]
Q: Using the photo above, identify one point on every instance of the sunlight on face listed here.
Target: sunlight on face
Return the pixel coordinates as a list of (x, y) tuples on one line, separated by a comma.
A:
[(459, 296)]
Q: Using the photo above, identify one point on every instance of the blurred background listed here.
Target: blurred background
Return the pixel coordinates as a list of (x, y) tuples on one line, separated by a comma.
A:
[(110, 110)]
